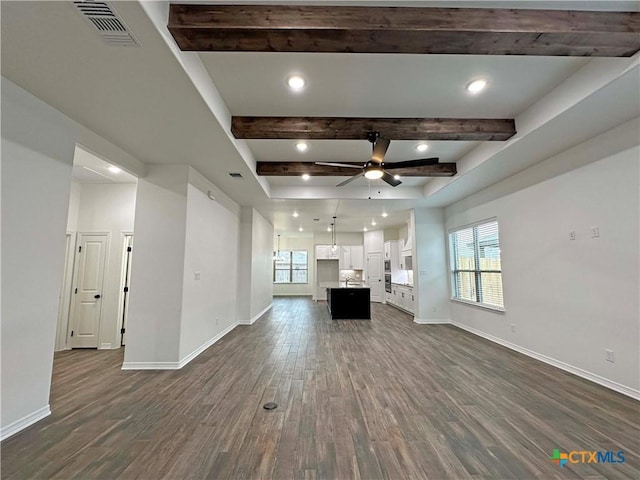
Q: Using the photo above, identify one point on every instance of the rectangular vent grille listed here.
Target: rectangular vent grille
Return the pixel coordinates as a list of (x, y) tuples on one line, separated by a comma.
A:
[(105, 20), (235, 175)]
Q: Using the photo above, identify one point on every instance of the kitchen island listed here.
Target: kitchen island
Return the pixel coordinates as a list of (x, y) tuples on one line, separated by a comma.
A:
[(349, 302)]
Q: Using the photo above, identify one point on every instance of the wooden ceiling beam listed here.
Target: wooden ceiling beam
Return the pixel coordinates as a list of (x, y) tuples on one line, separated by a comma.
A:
[(343, 29), (291, 169), (355, 128)]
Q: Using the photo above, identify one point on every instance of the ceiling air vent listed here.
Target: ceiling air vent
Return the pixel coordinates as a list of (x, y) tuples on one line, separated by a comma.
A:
[(110, 26), (235, 175)]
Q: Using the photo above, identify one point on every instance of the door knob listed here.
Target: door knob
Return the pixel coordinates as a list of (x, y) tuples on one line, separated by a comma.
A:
[(96, 296)]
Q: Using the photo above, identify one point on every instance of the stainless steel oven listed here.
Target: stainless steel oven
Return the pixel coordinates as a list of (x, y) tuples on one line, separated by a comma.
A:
[(387, 282), (387, 266)]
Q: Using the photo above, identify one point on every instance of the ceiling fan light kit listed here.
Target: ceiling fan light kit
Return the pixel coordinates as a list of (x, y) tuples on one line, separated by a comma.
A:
[(374, 169)]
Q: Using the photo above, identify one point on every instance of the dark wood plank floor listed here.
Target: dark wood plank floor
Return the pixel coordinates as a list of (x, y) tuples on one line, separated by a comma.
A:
[(357, 399)]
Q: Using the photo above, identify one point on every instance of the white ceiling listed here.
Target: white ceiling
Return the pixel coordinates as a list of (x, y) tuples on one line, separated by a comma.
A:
[(162, 107), (89, 168)]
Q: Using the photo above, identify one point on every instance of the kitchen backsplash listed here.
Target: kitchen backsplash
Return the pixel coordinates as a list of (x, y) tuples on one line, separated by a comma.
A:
[(355, 275)]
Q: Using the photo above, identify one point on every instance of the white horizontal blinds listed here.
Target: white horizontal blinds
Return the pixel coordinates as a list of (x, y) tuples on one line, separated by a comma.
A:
[(475, 264), (489, 266), (299, 266), (463, 263), (291, 267)]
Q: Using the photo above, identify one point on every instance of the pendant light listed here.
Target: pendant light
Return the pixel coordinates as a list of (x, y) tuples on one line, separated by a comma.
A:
[(276, 254), (334, 245)]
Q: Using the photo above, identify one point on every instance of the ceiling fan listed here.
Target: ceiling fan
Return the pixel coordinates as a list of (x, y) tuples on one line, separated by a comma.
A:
[(374, 168)]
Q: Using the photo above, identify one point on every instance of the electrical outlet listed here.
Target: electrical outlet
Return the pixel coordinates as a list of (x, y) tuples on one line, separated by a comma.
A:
[(513, 327), (196, 276), (572, 235), (609, 356), (595, 232), (217, 321)]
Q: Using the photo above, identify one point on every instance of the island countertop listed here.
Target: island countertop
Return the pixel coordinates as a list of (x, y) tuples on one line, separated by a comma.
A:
[(342, 285)]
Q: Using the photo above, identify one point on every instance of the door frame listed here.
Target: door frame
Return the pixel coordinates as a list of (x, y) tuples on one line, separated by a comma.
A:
[(125, 271), (76, 266), (64, 303)]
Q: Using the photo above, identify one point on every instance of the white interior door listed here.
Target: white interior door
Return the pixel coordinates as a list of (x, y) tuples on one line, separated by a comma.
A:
[(375, 280), (65, 294), (87, 294)]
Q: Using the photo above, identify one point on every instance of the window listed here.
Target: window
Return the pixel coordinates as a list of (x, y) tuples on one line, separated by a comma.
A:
[(290, 267), (476, 272)]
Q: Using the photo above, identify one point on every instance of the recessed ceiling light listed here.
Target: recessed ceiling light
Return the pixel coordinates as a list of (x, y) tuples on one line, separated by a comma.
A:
[(397, 177), (385, 214), (365, 229), (477, 86), (296, 82), (302, 146), (328, 229), (422, 147), (301, 229), (295, 214), (113, 169), (373, 223), (306, 176)]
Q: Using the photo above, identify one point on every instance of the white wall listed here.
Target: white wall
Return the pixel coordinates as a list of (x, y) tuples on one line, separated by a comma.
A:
[(431, 275), (297, 242), (261, 265), (342, 238), (108, 208), (568, 300), (37, 153), (181, 233), (157, 268), (211, 249), (255, 288), (74, 207)]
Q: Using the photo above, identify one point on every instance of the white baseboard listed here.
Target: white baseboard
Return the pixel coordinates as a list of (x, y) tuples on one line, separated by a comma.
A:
[(623, 389), (181, 363), (431, 321), (24, 422), (398, 307), (255, 317), (106, 346)]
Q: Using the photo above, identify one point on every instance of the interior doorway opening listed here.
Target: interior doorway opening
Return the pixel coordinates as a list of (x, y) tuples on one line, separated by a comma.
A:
[(93, 303)]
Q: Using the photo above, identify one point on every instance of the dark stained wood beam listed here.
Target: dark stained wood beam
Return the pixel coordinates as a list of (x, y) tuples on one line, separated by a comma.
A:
[(292, 169), (354, 128), (477, 31)]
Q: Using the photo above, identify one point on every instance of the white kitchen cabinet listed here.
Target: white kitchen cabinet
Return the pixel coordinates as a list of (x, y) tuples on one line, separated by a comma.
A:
[(402, 296), (351, 257), (406, 260), (357, 257), (387, 250), (325, 252)]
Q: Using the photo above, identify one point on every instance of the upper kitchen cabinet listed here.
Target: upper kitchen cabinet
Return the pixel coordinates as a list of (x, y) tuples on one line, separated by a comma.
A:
[(351, 257), (325, 252)]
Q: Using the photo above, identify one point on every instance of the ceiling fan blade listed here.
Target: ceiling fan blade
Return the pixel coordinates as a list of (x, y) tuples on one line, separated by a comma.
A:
[(379, 149), (421, 162), (349, 180), (345, 165), (387, 177)]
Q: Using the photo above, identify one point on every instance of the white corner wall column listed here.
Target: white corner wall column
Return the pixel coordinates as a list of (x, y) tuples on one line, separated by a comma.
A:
[(255, 286), (37, 155), (183, 274), (157, 269), (431, 276)]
